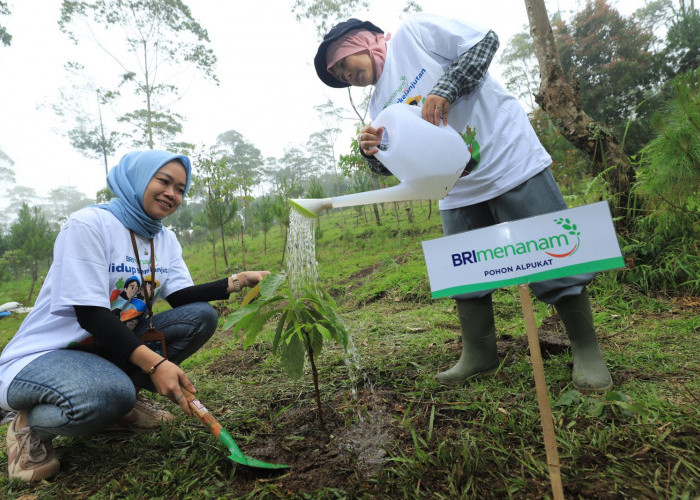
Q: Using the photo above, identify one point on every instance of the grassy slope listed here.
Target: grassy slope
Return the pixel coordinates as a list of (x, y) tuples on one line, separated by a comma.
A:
[(481, 440)]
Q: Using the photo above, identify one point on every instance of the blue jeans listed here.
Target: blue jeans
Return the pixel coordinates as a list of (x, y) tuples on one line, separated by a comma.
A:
[(77, 393), (536, 196)]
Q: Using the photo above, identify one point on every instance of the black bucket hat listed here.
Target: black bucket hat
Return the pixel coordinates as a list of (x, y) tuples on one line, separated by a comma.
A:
[(334, 34)]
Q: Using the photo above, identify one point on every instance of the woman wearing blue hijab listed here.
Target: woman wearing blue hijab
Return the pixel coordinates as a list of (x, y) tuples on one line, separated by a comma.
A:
[(77, 362)]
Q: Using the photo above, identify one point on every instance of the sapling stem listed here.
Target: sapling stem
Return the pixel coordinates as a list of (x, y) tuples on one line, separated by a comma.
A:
[(314, 373)]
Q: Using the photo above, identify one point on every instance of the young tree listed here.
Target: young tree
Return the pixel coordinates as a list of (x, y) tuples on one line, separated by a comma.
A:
[(214, 183), (161, 35), (32, 235), (263, 210)]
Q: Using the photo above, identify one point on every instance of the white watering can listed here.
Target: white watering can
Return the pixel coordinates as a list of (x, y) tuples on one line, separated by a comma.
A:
[(427, 159)]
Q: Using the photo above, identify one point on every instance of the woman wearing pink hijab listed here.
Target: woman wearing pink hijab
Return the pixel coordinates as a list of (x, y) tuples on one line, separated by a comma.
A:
[(441, 64)]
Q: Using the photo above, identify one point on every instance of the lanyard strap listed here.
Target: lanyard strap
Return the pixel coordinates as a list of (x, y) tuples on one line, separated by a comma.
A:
[(146, 292)]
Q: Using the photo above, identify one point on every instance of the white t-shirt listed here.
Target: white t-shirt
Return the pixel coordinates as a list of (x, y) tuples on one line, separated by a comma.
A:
[(493, 123), (94, 265)]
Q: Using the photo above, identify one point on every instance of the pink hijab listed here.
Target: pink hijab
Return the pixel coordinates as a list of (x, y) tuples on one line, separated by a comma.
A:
[(359, 41)]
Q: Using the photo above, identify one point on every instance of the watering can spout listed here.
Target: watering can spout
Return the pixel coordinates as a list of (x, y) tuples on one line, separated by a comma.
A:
[(311, 207), (426, 159)]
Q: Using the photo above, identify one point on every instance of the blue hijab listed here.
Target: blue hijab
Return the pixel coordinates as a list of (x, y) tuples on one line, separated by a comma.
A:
[(128, 181)]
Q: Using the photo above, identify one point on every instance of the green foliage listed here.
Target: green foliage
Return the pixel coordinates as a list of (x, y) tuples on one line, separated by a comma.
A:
[(663, 250), (610, 59), (303, 322), (683, 38), (162, 36), (324, 14), (669, 171), (5, 37)]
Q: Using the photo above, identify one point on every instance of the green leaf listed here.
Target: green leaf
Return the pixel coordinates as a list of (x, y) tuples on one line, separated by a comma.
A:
[(252, 331), (323, 330), (569, 398), (278, 330), (616, 396), (316, 341), (293, 357), (236, 316), (269, 285)]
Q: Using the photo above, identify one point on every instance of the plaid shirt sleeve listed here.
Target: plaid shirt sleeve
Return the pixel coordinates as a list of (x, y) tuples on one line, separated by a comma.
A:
[(467, 71), (461, 78)]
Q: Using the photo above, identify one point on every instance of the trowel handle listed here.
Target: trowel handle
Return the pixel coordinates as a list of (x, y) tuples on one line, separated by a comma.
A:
[(201, 412)]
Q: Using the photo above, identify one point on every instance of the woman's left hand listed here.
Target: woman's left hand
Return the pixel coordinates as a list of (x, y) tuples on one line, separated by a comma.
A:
[(435, 108), (247, 279)]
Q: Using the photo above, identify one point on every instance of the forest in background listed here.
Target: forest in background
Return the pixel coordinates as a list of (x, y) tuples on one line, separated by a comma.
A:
[(636, 77)]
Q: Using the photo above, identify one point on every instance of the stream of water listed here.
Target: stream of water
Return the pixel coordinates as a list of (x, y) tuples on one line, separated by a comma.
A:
[(367, 438)]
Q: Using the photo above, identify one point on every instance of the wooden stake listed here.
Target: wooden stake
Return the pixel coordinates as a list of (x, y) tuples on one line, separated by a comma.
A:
[(546, 419)]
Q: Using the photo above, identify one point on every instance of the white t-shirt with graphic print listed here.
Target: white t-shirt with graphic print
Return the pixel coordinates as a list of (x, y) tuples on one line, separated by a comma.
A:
[(94, 265), (507, 148)]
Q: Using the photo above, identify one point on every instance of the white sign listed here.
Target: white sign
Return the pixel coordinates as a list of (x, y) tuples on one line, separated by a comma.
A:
[(565, 243)]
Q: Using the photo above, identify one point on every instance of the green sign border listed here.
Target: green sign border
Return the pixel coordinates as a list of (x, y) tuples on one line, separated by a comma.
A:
[(562, 272)]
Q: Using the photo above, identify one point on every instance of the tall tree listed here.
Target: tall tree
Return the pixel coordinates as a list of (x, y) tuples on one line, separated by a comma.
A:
[(5, 37), (610, 59), (683, 38), (162, 38), (88, 132), (561, 101), (520, 68), (15, 197), (242, 160), (63, 201), (7, 175)]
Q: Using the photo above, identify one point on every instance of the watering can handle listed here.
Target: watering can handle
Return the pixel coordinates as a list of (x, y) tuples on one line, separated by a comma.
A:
[(201, 412)]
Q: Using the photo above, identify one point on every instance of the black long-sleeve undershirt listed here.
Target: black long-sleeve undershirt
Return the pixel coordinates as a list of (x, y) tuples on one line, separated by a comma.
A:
[(116, 341)]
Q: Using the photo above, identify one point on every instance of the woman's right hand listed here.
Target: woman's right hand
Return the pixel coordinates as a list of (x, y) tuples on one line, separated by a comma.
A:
[(167, 380), (369, 140)]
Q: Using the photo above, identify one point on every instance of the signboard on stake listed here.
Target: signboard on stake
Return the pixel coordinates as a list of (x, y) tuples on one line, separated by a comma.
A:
[(555, 245), (564, 243)]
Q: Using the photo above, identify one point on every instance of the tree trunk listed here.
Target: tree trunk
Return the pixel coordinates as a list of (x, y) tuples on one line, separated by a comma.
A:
[(242, 246), (560, 100), (213, 241), (223, 243)]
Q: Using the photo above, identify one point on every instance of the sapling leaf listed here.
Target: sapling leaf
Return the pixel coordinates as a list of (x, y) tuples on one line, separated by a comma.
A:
[(269, 285), (323, 331), (278, 330), (293, 357), (316, 341), (236, 315), (253, 330), (244, 322)]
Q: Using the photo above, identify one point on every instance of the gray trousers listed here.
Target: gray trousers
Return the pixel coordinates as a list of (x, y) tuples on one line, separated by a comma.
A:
[(536, 196)]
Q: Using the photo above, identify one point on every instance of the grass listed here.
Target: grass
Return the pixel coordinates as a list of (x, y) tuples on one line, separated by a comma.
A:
[(408, 436)]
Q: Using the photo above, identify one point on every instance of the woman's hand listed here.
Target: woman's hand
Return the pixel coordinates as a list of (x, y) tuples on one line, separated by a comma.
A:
[(167, 380), (245, 279), (167, 376), (369, 140), (435, 108)]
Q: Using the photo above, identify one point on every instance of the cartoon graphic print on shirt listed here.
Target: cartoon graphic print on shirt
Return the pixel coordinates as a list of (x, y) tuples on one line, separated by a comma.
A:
[(128, 299)]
